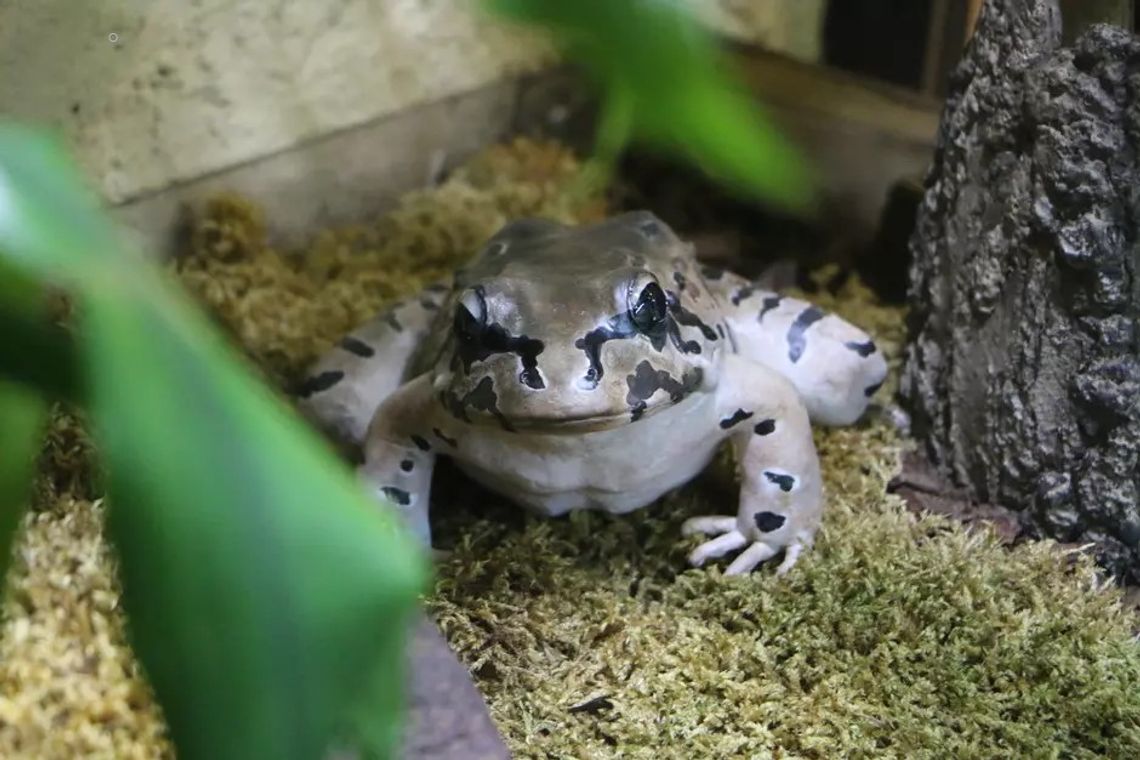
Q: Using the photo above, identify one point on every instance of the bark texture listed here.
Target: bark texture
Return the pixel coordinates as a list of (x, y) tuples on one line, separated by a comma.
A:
[(1023, 367)]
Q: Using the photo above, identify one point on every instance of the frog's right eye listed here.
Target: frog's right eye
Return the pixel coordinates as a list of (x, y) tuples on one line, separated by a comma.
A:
[(648, 311), (470, 316)]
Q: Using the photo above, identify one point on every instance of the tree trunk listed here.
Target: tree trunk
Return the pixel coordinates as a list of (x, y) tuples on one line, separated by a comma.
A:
[(1023, 368)]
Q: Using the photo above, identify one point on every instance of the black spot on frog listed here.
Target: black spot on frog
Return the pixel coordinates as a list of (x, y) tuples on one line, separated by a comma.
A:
[(476, 341), (645, 381), (769, 303), (766, 522), (617, 327), (441, 436), (738, 416), (398, 495), (357, 347), (481, 398), (797, 340), (688, 318), (742, 293), (785, 482), (319, 383), (863, 349)]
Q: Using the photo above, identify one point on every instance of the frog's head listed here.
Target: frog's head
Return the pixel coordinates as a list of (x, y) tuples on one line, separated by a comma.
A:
[(565, 328)]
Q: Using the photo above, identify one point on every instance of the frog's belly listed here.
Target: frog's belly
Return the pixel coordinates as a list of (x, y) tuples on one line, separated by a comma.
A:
[(615, 470)]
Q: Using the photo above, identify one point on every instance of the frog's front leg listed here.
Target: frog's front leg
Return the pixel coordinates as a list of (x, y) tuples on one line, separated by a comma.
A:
[(399, 453), (834, 365), (781, 494), (344, 386)]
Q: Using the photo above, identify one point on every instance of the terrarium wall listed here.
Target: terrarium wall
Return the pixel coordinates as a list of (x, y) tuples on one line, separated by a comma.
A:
[(153, 94)]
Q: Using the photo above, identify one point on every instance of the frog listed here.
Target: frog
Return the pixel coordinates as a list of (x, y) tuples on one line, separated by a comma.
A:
[(600, 366)]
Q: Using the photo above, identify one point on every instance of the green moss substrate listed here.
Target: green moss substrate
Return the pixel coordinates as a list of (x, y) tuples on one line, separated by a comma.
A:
[(897, 636)]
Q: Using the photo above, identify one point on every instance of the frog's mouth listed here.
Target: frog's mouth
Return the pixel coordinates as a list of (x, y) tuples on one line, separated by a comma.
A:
[(567, 424)]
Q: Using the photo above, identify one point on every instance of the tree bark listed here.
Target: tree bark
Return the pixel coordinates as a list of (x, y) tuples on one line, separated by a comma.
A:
[(1023, 368)]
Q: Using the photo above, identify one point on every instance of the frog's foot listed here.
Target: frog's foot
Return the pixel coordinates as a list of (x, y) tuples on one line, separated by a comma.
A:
[(731, 539), (397, 471)]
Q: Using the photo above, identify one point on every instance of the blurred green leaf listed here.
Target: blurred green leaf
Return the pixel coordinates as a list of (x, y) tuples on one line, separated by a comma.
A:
[(664, 76), (48, 218), (22, 414), (262, 589), (267, 597), (37, 353), (21, 418)]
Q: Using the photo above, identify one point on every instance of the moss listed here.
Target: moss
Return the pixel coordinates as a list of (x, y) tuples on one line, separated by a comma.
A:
[(69, 686), (897, 636)]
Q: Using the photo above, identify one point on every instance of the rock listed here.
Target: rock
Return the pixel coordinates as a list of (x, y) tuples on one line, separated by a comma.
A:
[(1022, 376)]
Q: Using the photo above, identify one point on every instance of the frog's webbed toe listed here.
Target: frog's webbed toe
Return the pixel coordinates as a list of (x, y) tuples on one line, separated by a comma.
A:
[(730, 539)]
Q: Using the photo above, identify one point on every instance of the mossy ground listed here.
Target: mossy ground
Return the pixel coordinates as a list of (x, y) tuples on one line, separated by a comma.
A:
[(897, 636)]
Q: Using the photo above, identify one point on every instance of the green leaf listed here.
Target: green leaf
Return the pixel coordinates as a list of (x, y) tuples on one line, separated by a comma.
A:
[(267, 597), (21, 418), (22, 414), (665, 75), (262, 587), (49, 220), (37, 353)]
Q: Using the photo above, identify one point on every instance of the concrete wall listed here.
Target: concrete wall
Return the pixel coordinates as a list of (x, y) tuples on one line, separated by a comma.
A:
[(154, 92), (792, 27), (163, 100)]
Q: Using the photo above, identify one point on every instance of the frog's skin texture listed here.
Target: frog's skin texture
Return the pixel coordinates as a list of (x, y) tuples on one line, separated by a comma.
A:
[(600, 367)]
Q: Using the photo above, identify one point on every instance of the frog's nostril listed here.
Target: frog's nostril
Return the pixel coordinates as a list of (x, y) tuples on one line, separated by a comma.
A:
[(590, 380), (531, 378)]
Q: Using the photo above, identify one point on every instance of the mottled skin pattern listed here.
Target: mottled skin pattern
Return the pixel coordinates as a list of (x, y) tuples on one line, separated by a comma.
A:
[(600, 367)]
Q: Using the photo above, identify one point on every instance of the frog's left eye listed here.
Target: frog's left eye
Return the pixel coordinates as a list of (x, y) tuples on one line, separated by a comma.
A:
[(498, 248), (649, 310), (470, 316)]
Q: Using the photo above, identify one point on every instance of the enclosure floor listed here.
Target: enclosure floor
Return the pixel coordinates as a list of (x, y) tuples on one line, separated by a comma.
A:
[(897, 636)]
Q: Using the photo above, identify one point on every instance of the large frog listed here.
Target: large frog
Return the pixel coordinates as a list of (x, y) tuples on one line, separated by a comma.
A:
[(599, 367)]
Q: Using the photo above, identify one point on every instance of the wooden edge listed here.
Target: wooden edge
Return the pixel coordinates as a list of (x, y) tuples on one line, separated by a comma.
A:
[(842, 97)]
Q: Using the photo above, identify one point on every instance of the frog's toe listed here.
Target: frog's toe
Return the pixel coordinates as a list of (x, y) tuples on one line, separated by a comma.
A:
[(790, 557), (708, 525), (748, 559), (717, 547)]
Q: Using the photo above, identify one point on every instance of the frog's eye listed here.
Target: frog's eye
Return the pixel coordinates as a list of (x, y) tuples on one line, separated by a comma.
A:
[(649, 310), (498, 248), (470, 316)]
